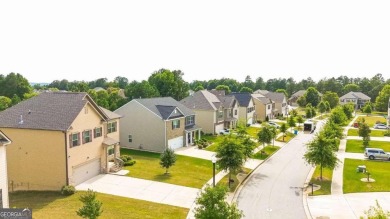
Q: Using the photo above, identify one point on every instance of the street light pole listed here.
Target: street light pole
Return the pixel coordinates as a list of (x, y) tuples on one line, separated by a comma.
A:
[(214, 160)]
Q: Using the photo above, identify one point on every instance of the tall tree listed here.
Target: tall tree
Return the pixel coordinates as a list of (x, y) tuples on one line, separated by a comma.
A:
[(121, 81), (223, 87), (283, 129), (211, 204), (332, 98), (230, 156), (265, 135), (364, 132), (248, 147), (320, 153), (167, 159), (260, 84), (14, 84), (381, 102), (351, 87), (248, 83), (141, 90), (5, 102), (291, 122), (170, 83), (312, 96), (338, 116), (246, 90), (321, 107)]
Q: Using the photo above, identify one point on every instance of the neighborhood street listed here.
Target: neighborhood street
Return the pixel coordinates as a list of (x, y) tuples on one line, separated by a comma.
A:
[(275, 188)]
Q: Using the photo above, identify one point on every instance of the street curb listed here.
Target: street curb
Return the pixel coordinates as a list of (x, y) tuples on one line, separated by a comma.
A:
[(242, 183), (305, 196)]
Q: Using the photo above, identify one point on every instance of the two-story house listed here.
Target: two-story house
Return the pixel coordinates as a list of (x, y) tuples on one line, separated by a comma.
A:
[(4, 201), (154, 124), (357, 98), (230, 108), (59, 138), (246, 107), (263, 107), (292, 101), (280, 107)]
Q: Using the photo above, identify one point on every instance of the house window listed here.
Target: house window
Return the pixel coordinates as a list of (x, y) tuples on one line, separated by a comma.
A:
[(269, 106), (97, 132), (74, 139), (111, 150), (220, 114), (111, 127), (190, 120), (130, 138), (176, 124), (235, 112), (87, 136)]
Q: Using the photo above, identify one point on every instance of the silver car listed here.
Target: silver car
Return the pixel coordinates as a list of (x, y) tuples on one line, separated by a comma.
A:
[(376, 153), (380, 126)]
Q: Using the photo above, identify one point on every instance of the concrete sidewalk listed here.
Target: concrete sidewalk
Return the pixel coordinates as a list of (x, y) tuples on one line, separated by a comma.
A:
[(346, 206), (147, 190), (357, 156), (371, 138)]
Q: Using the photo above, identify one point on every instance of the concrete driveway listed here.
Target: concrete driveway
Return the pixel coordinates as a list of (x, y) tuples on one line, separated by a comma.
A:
[(147, 190)]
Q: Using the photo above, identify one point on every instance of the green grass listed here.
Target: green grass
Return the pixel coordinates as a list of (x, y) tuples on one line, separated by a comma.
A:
[(216, 139), (379, 171), (325, 183), (375, 113), (188, 171), (324, 116), (374, 133), (54, 205), (287, 138), (269, 150), (233, 185), (356, 146), (371, 120), (252, 132)]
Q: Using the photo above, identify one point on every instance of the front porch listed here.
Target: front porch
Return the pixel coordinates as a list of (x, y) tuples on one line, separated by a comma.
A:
[(192, 133), (111, 161), (230, 123)]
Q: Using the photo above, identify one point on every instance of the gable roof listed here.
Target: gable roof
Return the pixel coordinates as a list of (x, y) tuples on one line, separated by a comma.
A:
[(110, 114), (355, 95), (298, 93), (275, 96), (243, 98), (203, 100), (48, 111), (263, 92), (164, 107), (227, 101), (264, 100)]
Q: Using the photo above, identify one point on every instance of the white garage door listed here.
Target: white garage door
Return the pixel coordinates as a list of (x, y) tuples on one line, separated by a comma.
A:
[(250, 121), (218, 128), (175, 143), (86, 171)]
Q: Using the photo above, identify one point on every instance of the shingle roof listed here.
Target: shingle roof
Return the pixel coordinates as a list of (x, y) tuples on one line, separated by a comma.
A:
[(203, 100), (164, 106), (243, 98), (275, 96), (263, 92), (262, 99), (47, 111), (110, 114), (227, 101), (298, 93), (353, 95)]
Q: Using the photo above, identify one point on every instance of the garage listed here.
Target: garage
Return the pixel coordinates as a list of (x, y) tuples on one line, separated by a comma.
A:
[(86, 171), (175, 143), (219, 127), (250, 121)]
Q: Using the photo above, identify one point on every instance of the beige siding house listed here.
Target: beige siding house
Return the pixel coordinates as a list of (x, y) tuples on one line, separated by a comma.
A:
[(59, 139), (263, 107), (214, 111), (155, 124), (4, 201), (280, 102), (246, 112)]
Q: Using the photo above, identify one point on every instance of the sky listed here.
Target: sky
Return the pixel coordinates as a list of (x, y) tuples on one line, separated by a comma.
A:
[(206, 39)]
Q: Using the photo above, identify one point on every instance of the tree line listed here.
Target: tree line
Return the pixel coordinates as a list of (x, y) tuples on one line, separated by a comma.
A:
[(165, 82)]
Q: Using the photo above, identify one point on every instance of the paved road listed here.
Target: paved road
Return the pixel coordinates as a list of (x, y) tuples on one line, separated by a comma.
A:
[(275, 188)]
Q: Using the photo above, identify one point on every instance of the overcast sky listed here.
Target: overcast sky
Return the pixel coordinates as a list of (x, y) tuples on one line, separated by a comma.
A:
[(86, 40)]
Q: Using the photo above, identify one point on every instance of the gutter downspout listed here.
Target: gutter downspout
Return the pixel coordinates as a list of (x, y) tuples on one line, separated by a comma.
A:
[(165, 135), (66, 159)]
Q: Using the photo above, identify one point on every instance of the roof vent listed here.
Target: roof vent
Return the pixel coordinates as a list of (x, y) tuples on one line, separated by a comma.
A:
[(21, 120), (29, 111)]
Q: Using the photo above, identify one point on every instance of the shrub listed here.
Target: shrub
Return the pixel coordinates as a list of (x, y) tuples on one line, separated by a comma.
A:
[(126, 158), (129, 163), (68, 190)]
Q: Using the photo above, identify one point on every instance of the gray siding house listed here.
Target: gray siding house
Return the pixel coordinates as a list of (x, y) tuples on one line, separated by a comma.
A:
[(357, 98)]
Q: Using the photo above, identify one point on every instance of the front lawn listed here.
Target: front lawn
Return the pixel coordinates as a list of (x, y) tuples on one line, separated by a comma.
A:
[(252, 132), (54, 205), (269, 150), (356, 146), (325, 183), (287, 138), (371, 120), (188, 171), (379, 171), (233, 185), (215, 139), (374, 133)]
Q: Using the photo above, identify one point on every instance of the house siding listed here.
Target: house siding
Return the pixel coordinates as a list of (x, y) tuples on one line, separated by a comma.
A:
[(36, 160), (174, 133), (206, 120), (3, 177), (146, 128)]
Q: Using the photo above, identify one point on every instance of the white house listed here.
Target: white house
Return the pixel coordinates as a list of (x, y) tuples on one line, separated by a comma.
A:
[(4, 140)]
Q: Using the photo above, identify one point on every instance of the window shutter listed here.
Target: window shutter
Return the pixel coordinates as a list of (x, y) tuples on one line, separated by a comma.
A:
[(94, 132), (84, 137), (178, 123), (70, 140), (78, 138)]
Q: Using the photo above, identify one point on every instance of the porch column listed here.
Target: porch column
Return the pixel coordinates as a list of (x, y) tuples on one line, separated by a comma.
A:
[(198, 134), (186, 139), (106, 155), (191, 141)]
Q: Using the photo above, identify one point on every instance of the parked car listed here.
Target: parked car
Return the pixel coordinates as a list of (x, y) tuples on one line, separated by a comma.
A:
[(224, 132), (274, 124), (380, 126), (376, 153)]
